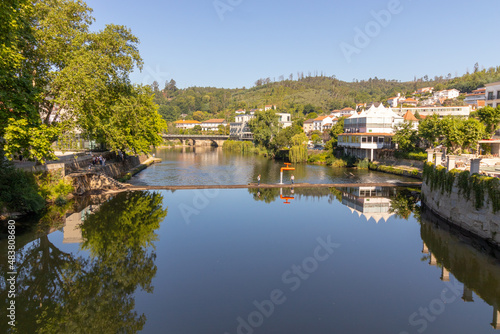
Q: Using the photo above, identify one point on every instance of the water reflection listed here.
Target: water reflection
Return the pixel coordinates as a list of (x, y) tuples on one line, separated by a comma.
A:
[(208, 165), (63, 292), (466, 259), (379, 203), (95, 289)]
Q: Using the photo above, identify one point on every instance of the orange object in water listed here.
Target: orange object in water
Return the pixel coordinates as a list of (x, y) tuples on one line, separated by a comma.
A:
[(286, 198), (285, 168)]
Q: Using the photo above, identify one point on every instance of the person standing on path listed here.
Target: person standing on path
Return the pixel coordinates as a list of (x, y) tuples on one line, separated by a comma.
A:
[(258, 180), (293, 179)]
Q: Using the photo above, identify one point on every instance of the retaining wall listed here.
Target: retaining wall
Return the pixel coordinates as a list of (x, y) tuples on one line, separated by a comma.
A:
[(457, 210)]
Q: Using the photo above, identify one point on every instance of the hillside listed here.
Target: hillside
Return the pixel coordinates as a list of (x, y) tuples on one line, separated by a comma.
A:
[(307, 94)]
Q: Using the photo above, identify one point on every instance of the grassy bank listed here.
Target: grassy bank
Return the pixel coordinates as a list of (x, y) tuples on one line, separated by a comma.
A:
[(403, 171)]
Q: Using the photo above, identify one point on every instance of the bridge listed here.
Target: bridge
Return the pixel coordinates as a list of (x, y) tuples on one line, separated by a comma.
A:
[(213, 140)]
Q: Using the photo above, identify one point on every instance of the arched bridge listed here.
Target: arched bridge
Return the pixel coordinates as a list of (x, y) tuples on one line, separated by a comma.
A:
[(210, 140)]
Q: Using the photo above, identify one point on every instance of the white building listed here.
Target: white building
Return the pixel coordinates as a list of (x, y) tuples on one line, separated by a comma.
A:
[(189, 124), (323, 123), (213, 124), (285, 119), (369, 202), (395, 101), (440, 111), (492, 94), (239, 129), (447, 94), (476, 98), (369, 131)]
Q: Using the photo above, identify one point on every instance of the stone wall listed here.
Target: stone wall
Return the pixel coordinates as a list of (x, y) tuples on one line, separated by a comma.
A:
[(458, 211)]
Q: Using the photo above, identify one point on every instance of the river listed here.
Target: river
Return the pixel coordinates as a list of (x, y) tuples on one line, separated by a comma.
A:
[(348, 260)]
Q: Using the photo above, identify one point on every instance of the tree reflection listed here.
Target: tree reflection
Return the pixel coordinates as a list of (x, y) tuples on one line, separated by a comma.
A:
[(61, 293), (405, 203)]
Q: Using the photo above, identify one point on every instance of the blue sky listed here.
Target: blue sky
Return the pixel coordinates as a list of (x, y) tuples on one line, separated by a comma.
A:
[(244, 40)]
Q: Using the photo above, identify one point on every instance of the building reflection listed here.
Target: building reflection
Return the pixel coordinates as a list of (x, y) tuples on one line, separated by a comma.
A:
[(72, 228), (369, 202), (472, 263)]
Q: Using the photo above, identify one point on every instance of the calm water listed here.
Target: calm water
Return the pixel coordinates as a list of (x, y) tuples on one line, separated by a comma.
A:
[(206, 165), (245, 261)]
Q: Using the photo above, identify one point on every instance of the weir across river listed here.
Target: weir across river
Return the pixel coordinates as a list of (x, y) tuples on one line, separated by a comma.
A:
[(264, 186)]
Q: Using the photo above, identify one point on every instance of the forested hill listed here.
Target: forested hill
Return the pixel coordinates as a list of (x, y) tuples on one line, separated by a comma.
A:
[(307, 94)]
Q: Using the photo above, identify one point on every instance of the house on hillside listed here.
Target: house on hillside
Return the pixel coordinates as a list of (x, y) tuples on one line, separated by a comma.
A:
[(346, 112), (308, 126), (285, 119), (410, 102), (323, 123), (369, 131), (269, 107), (440, 111), (476, 98), (239, 129), (447, 94), (492, 93), (409, 117), (423, 90), (186, 124), (213, 124), (395, 101)]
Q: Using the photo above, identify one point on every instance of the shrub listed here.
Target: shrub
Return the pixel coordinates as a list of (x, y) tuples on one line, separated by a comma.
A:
[(18, 190)]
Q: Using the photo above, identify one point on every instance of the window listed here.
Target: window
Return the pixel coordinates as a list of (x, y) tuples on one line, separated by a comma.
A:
[(363, 139), (490, 95), (498, 94), (380, 139)]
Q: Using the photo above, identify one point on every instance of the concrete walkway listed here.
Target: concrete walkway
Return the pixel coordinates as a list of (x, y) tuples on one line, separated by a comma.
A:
[(267, 186)]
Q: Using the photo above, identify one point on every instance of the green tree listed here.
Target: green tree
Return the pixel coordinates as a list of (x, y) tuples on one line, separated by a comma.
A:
[(336, 129), (18, 96), (299, 139), (265, 127), (406, 136), (85, 74), (199, 116), (430, 130), (311, 115), (490, 117), (196, 129)]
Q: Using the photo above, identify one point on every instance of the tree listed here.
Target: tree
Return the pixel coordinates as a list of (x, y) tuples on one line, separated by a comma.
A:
[(299, 139), (18, 96), (429, 129), (199, 116), (490, 117), (196, 129), (33, 142), (133, 123), (311, 115), (336, 129), (265, 127), (85, 74), (406, 136)]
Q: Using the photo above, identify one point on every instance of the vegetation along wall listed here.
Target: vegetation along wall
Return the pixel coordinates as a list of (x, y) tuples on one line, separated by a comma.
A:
[(471, 202)]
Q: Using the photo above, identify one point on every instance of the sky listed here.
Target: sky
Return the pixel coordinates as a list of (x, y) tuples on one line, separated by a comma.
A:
[(233, 43)]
